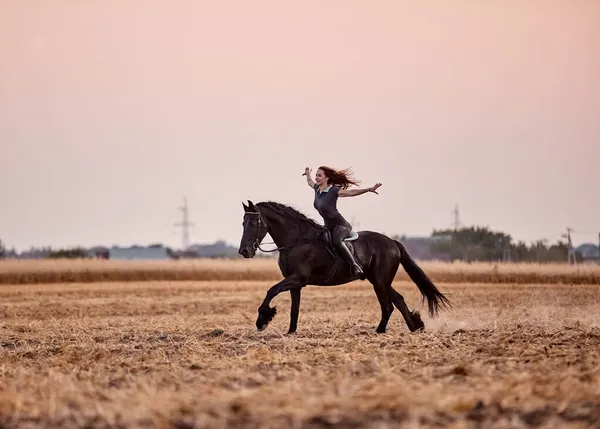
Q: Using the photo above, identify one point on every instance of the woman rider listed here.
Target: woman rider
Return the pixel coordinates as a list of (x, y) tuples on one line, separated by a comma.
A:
[(329, 184)]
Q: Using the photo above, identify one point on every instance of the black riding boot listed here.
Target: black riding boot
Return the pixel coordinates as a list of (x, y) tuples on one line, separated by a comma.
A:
[(356, 270), (338, 235)]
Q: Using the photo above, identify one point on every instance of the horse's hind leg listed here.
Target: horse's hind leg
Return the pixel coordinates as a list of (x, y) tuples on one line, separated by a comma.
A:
[(412, 318), (382, 276), (382, 292), (296, 293)]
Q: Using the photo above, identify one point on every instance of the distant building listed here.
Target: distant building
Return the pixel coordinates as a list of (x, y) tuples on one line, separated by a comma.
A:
[(218, 249), (589, 252), (139, 253)]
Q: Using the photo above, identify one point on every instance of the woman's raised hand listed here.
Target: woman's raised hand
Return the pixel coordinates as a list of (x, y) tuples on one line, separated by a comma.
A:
[(374, 188), (307, 171)]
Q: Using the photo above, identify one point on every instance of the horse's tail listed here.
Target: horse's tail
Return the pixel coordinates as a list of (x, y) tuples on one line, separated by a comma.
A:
[(435, 299)]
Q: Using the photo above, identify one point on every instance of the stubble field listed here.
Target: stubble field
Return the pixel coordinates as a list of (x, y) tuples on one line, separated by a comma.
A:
[(186, 354), (88, 271)]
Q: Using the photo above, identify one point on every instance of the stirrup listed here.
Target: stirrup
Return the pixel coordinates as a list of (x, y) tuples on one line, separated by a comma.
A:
[(356, 270)]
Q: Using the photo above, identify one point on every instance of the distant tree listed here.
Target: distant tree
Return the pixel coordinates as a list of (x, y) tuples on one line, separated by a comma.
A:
[(472, 244), (2, 250), (558, 252), (74, 253), (482, 244), (172, 254)]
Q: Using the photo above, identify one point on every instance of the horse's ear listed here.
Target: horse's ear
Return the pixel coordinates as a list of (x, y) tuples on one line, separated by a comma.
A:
[(246, 208), (250, 205)]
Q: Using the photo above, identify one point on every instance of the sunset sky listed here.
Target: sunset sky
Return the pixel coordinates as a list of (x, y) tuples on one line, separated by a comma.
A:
[(112, 111)]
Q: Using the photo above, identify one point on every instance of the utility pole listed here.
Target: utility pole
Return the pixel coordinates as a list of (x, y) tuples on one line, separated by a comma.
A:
[(456, 214), (185, 225), (570, 251), (506, 253), (456, 223)]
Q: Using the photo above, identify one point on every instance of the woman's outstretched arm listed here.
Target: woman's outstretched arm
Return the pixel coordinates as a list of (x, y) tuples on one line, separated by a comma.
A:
[(355, 192)]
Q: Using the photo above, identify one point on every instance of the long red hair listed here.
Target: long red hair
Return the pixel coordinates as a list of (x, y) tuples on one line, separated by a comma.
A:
[(342, 178)]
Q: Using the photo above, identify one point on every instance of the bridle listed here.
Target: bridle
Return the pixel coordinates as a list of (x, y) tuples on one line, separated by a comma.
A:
[(256, 243)]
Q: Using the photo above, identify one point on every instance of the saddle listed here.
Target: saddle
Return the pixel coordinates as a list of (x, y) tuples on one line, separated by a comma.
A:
[(328, 242)]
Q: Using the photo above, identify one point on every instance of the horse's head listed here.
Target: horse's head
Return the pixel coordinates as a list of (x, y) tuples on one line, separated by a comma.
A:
[(255, 230)]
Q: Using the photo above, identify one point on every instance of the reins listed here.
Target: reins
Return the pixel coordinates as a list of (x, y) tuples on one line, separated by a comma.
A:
[(256, 244)]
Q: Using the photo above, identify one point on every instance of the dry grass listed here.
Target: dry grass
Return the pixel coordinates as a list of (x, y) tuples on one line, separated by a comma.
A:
[(66, 271), (187, 355)]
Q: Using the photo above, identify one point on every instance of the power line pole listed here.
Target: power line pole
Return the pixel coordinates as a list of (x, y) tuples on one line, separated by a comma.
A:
[(456, 214), (570, 250), (507, 253), (456, 223), (185, 225)]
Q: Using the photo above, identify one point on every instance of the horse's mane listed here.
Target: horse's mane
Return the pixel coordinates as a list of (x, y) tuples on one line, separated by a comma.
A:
[(291, 214)]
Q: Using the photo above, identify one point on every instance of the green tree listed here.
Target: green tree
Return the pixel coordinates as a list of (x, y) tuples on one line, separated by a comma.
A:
[(482, 244), (74, 253), (472, 244)]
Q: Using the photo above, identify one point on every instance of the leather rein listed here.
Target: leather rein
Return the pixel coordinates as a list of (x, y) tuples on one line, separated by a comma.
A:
[(256, 244)]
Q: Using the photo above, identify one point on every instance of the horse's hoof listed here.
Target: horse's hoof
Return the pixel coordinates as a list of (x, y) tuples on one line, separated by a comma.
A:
[(418, 324), (261, 324), (264, 317), (268, 313)]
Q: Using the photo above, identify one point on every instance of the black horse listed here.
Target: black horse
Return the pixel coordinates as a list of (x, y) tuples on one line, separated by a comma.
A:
[(307, 257)]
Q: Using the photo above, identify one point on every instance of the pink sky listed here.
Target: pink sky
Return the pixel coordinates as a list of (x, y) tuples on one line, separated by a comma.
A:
[(112, 111)]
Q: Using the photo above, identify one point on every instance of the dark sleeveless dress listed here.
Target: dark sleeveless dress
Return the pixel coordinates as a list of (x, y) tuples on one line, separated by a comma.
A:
[(326, 204)]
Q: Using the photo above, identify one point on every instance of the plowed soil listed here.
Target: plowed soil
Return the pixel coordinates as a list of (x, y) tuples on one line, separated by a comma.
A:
[(187, 355)]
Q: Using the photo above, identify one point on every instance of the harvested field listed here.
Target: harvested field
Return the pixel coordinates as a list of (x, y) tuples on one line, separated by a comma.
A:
[(79, 271), (187, 355)]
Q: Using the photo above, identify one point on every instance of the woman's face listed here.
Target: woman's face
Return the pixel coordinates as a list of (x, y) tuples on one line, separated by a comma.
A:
[(320, 177)]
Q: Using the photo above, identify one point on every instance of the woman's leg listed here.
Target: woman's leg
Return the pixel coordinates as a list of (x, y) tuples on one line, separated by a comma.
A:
[(338, 234)]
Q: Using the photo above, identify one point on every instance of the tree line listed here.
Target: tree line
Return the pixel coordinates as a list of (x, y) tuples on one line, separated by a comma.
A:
[(478, 243), (474, 243)]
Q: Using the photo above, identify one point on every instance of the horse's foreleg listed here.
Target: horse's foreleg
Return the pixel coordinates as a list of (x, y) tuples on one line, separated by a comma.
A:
[(295, 293), (265, 312)]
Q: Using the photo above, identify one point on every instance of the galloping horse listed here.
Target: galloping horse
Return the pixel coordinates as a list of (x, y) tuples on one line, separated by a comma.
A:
[(307, 258)]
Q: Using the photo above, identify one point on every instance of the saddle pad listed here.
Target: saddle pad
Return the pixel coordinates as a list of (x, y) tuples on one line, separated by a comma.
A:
[(353, 236)]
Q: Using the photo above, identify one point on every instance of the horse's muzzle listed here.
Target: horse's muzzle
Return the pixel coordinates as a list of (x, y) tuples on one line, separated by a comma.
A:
[(245, 252)]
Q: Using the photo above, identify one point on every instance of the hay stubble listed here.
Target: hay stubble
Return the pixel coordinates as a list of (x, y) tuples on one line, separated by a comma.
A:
[(92, 271), (187, 354)]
